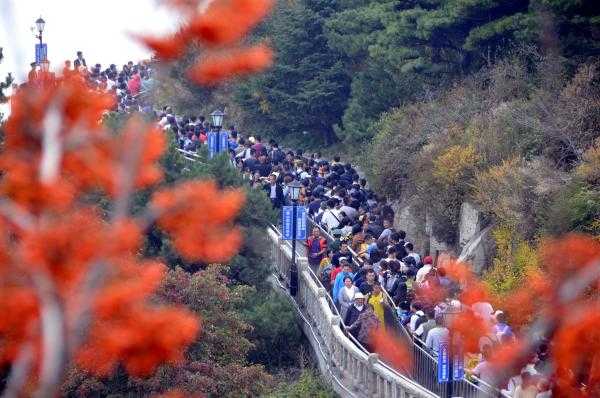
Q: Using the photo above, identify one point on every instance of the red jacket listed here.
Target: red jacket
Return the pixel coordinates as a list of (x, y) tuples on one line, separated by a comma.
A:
[(322, 243)]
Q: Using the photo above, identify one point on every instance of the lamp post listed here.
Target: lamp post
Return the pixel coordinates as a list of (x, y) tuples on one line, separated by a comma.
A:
[(294, 188), (217, 119), (40, 24), (217, 142)]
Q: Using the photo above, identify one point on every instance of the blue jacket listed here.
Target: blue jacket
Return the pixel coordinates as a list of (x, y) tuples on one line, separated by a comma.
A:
[(339, 283)]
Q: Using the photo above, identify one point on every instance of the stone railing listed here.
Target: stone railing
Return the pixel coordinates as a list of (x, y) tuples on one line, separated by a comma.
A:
[(351, 369)]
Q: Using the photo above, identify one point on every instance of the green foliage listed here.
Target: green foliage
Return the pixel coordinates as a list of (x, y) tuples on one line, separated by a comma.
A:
[(514, 258), (275, 334), (4, 85), (520, 127), (575, 208), (216, 364), (308, 385), (308, 87)]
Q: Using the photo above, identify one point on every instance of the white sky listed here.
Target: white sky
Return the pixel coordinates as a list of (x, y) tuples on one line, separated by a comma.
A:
[(99, 28)]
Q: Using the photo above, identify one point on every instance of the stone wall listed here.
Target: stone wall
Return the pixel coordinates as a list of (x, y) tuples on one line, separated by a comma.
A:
[(474, 244)]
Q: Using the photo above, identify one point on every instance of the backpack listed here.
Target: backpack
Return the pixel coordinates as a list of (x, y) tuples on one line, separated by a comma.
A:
[(326, 276)]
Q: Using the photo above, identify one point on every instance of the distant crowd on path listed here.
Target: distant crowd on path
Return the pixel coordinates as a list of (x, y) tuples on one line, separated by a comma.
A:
[(366, 257), (130, 83)]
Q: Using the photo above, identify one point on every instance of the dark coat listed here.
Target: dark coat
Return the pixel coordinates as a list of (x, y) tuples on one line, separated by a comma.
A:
[(278, 201), (352, 315)]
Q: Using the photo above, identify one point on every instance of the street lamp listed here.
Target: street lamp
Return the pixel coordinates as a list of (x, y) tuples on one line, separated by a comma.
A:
[(40, 24), (217, 119), (294, 188)]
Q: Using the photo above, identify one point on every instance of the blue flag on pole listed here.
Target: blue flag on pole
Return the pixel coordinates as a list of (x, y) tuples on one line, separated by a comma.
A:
[(41, 53), (287, 223), (443, 363), (212, 144)]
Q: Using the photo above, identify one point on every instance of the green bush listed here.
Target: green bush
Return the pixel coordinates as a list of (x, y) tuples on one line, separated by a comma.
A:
[(308, 385), (275, 331)]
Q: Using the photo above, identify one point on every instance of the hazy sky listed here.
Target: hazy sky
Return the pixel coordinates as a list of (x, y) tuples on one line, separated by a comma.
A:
[(99, 28)]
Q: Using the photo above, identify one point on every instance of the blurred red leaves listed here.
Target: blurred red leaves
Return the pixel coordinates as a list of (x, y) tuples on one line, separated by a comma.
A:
[(391, 349), (59, 249), (202, 205), (221, 29), (226, 22), (470, 328), (216, 68), (576, 352), (571, 317)]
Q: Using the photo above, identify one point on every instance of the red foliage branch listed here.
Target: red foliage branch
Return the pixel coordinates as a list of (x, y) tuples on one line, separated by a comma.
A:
[(72, 284), (220, 28)]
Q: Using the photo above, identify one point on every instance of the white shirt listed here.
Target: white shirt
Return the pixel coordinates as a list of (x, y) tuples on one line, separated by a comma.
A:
[(422, 272), (484, 310), (273, 192), (413, 320), (330, 219), (436, 336)]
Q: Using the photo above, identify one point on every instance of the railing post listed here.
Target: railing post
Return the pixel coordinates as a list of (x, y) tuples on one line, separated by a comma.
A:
[(372, 376)]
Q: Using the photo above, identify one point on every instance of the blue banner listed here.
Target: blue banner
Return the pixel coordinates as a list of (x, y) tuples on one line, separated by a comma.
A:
[(41, 53), (301, 230), (212, 144), (287, 223), (223, 141), (443, 363), (458, 365)]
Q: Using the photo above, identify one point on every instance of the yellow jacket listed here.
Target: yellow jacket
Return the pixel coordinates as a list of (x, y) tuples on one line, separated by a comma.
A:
[(376, 300)]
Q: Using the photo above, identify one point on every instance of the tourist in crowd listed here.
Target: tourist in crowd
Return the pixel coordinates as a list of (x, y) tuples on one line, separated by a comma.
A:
[(345, 270), (365, 325), (357, 307), (437, 335), (275, 192), (316, 247), (377, 302), (346, 296)]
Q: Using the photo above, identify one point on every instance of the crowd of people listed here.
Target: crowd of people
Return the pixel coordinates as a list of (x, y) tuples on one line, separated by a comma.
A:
[(366, 260), (130, 83), (371, 270)]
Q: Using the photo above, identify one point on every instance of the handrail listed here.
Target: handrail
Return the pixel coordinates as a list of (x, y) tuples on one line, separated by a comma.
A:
[(334, 308), (365, 369)]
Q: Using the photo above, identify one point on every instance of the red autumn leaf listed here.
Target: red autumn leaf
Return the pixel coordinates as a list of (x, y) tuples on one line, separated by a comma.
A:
[(392, 349), (226, 22), (218, 68)]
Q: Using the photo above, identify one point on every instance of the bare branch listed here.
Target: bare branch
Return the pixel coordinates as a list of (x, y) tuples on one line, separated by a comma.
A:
[(16, 215), (19, 372), (127, 174), (51, 145), (54, 353)]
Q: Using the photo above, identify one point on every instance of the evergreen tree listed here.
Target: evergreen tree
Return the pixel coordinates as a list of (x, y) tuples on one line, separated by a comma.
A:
[(5, 84), (308, 88)]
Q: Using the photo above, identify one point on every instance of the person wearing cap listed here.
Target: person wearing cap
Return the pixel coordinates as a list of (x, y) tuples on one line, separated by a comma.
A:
[(364, 326), (357, 307), (346, 295), (338, 283), (424, 270)]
